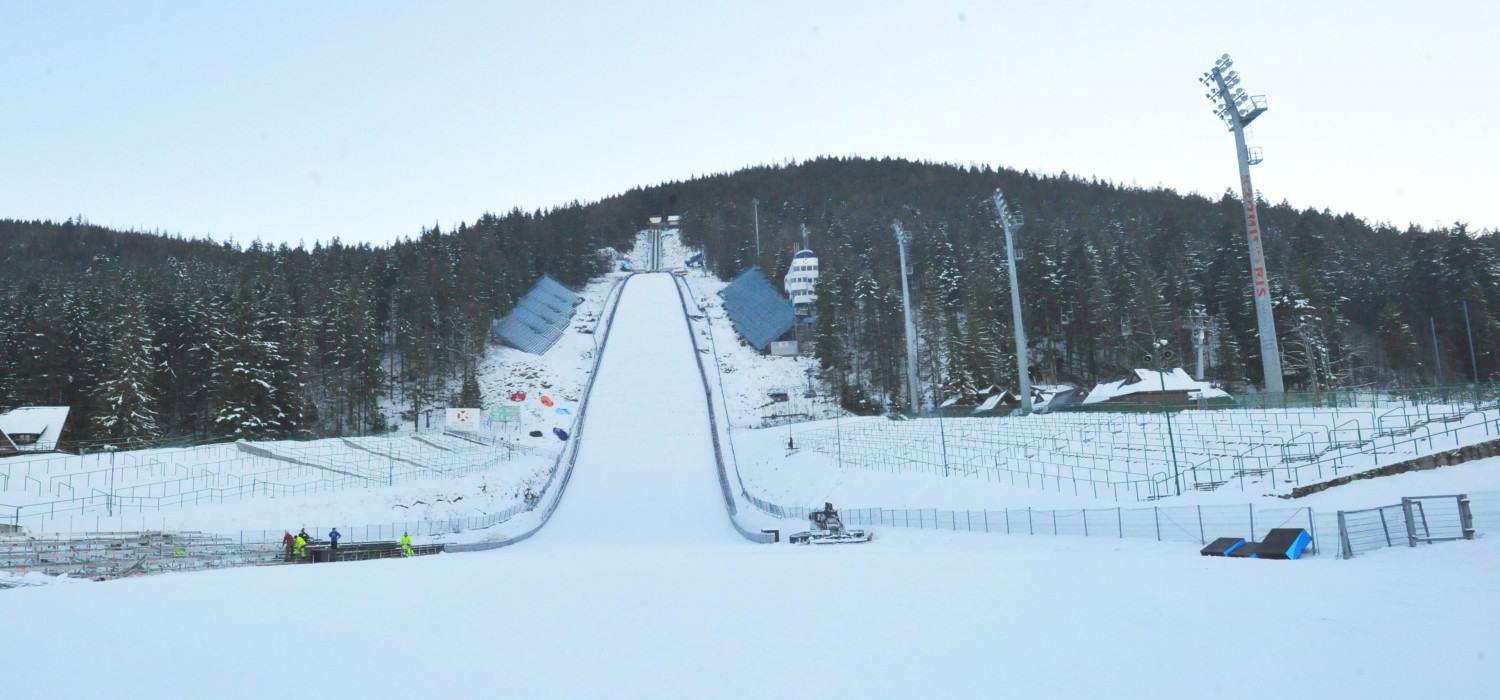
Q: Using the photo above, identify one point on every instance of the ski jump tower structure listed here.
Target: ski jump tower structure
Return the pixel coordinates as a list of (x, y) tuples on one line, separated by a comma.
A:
[(1238, 109)]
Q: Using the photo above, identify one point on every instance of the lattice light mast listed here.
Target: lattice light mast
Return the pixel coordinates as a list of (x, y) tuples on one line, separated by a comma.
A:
[(1010, 223), (1238, 109)]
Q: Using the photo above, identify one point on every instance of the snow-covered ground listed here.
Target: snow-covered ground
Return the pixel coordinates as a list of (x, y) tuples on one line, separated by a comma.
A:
[(638, 587)]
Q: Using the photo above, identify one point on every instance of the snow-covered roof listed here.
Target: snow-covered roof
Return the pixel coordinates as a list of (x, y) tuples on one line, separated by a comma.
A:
[(46, 421), (991, 402), (1145, 381)]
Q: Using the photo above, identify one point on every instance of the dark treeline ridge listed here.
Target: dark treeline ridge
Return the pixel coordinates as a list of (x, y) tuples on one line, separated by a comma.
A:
[(1105, 270), (146, 335)]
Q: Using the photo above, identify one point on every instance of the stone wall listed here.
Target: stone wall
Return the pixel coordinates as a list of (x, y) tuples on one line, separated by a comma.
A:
[(1432, 461)]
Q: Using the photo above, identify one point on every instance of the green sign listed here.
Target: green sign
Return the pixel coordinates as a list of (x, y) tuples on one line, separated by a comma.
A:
[(506, 414)]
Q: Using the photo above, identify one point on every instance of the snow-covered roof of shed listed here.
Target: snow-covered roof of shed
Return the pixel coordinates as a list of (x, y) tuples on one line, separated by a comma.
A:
[(46, 421), (991, 402), (1146, 381)]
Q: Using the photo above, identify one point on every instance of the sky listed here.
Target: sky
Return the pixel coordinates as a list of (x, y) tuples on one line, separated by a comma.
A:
[(301, 122)]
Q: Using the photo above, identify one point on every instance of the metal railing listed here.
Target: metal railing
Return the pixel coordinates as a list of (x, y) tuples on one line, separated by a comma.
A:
[(569, 456), (1353, 531), (1415, 520), (141, 483), (729, 505), (260, 547), (1127, 455)]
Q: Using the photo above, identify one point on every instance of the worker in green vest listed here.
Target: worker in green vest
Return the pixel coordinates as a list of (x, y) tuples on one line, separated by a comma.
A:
[(406, 549), (299, 545)]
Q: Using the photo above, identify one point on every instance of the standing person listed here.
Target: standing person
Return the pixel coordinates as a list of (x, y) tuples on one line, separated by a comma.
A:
[(333, 544), (406, 549), (299, 544), (287, 542), (303, 534)]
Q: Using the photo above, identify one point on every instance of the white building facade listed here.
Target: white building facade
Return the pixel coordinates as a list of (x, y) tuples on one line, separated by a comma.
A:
[(801, 281)]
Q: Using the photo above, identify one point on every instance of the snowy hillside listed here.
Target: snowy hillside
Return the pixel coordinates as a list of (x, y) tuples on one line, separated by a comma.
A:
[(639, 589)]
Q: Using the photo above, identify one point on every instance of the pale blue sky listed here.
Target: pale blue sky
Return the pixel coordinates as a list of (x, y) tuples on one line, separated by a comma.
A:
[(367, 121)]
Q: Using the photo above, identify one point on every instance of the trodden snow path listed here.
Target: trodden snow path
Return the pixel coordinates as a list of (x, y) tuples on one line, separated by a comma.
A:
[(645, 464)]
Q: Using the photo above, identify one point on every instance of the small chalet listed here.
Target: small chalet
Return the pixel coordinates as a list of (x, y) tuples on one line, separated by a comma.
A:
[(1144, 386), (33, 429), (994, 400)]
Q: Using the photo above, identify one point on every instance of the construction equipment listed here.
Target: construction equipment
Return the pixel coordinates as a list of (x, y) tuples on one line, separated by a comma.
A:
[(829, 529)]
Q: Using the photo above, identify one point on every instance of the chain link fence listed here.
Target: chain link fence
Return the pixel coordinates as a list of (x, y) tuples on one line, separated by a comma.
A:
[(1125, 453), (1194, 524)]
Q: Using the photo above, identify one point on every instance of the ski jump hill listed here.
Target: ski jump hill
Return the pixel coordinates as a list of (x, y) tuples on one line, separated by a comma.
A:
[(645, 465)]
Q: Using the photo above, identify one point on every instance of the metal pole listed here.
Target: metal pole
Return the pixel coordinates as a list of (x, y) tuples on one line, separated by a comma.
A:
[(838, 435), (1473, 363), (112, 481), (1200, 324), (1171, 439), (1270, 352), (756, 203), (1023, 369), (943, 441), (1437, 357), (911, 327)]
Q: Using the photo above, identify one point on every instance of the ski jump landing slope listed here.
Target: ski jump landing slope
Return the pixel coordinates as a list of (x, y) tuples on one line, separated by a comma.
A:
[(645, 466)]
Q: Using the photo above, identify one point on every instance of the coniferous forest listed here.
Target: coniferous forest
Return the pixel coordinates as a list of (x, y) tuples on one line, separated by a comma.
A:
[(148, 335)]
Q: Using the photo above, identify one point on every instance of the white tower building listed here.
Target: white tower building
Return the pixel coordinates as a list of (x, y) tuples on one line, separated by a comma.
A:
[(802, 281)]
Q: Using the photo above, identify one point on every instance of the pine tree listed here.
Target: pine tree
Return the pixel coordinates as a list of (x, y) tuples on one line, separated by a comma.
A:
[(124, 399)]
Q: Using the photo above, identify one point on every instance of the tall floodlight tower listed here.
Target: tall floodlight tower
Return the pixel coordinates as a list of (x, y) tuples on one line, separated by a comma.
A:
[(1238, 109), (911, 327), (1010, 223)]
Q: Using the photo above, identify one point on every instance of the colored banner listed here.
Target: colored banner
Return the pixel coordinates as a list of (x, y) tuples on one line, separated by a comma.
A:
[(463, 418)]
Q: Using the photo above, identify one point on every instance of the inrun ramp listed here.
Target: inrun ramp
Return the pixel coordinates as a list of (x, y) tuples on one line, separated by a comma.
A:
[(645, 469)]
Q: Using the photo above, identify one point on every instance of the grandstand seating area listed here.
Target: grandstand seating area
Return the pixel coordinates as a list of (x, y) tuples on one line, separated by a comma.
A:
[(36, 492), (1145, 455)]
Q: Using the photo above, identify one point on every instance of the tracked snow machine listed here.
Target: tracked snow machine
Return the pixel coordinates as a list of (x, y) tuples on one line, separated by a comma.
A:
[(829, 529)]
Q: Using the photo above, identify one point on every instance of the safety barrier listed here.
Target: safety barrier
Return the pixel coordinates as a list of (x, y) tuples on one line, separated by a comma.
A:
[(1415, 520), (569, 456), (1354, 531), (729, 505)]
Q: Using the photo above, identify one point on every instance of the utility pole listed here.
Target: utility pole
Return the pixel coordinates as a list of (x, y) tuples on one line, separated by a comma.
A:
[(756, 204), (1200, 325), (1473, 361), (1158, 356), (911, 327), (1437, 353), (1010, 223), (1238, 109)]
